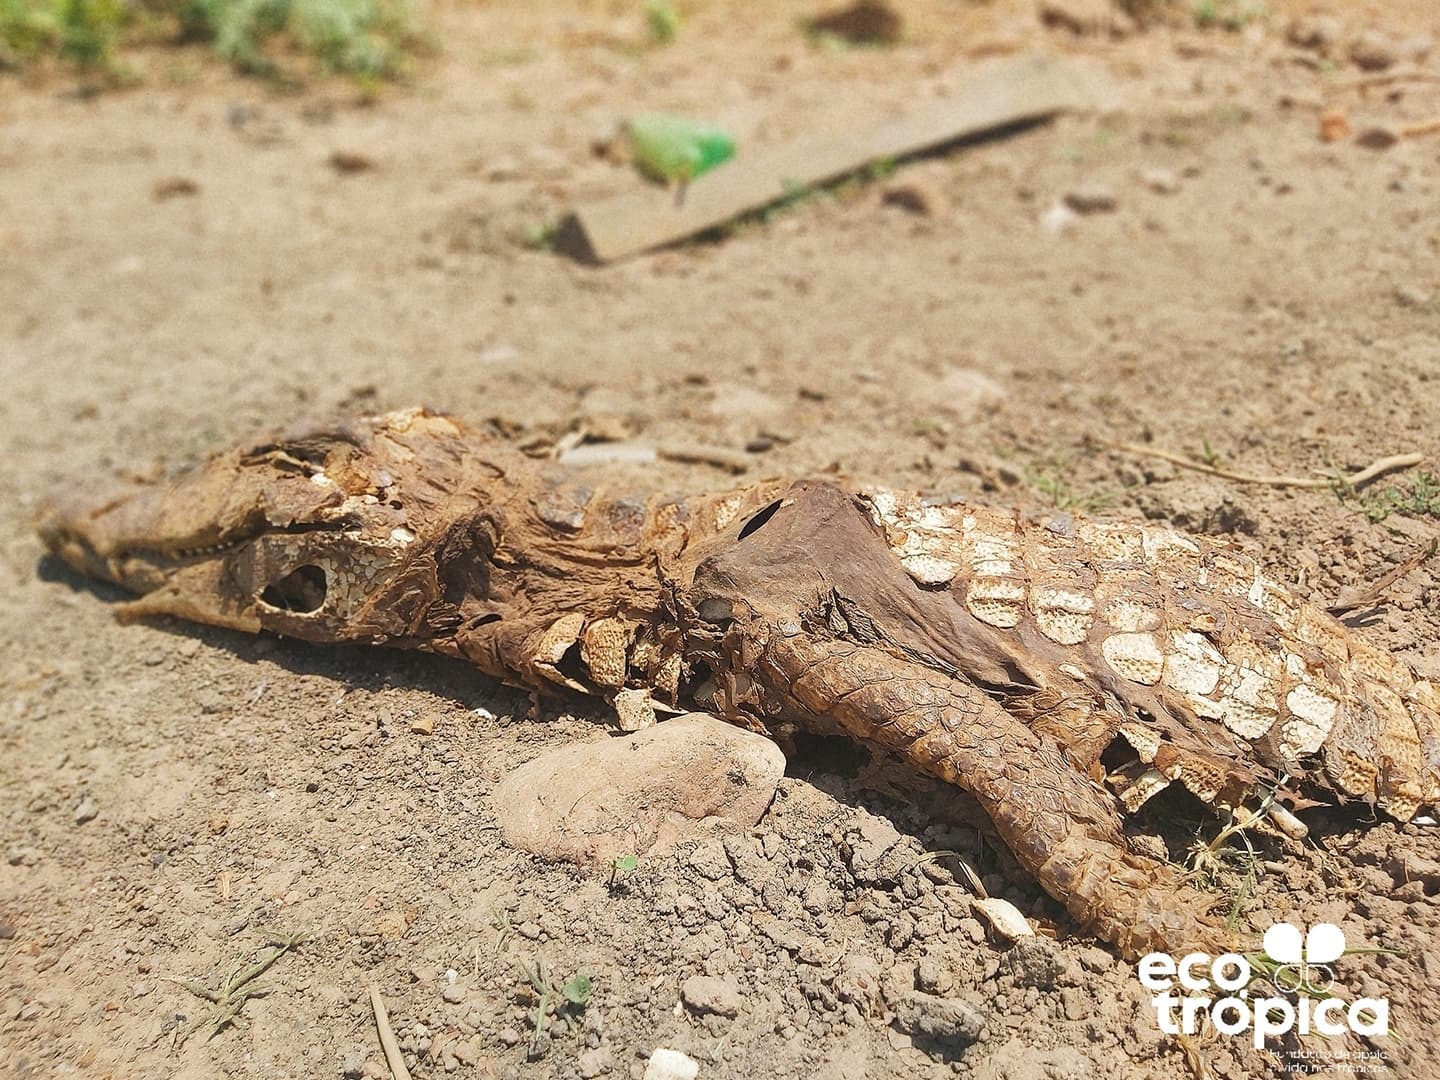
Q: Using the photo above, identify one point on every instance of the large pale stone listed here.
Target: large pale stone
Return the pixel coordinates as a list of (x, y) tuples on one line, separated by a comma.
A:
[(638, 794)]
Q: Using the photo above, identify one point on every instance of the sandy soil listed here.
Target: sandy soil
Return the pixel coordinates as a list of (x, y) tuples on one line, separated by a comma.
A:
[(1280, 304)]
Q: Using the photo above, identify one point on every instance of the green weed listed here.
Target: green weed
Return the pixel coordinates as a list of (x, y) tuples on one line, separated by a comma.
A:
[(237, 987), (365, 39), (553, 996), (1062, 495), (1228, 14), (662, 21), (1420, 498)]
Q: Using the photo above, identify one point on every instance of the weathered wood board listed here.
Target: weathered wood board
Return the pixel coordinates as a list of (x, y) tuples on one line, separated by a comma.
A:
[(1000, 95)]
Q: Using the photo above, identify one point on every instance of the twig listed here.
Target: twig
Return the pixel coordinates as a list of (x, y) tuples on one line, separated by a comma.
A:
[(1353, 481), (1420, 127), (731, 460), (1389, 78), (393, 1057), (1363, 596)]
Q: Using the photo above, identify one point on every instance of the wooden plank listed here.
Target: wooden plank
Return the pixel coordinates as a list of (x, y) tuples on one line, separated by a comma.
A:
[(1000, 95)]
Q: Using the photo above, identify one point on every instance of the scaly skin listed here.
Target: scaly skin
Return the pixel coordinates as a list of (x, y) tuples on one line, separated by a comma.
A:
[(997, 654)]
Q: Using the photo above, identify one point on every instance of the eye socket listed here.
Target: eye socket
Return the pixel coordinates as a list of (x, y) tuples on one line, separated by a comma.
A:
[(301, 590)]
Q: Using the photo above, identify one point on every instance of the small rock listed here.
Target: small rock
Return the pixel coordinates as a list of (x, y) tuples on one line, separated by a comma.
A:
[(708, 994), (86, 811), (1092, 199), (509, 1036), (1004, 916), (1083, 16), (349, 161), (352, 1065), (469, 1051), (594, 802), (1411, 296), (865, 22), (22, 856), (169, 188), (453, 994), (945, 1019), (423, 725), (1373, 51), (594, 1062), (918, 197), (1059, 219), (1035, 961), (1334, 125), (1319, 32), (1378, 137), (1160, 181), (665, 1064), (352, 740), (1415, 50), (866, 844)]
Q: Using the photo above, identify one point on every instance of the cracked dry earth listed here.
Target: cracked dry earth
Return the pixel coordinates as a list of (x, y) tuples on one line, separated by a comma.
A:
[(168, 794)]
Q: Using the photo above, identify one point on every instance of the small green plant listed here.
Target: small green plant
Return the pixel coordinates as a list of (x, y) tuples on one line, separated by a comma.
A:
[(621, 867), (1063, 496), (1208, 456), (366, 39), (237, 987), (1228, 14), (553, 997), (662, 20), (1419, 499)]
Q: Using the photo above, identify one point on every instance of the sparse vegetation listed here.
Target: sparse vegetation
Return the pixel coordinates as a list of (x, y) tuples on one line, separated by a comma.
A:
[(1228, 14), (367, 39), (553, 996), (237, 987), (1051, 482), (662, 20), (1419, 498)]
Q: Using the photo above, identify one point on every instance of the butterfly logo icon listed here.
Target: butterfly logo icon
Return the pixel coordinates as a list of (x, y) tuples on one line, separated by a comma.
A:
[(1304, 959)]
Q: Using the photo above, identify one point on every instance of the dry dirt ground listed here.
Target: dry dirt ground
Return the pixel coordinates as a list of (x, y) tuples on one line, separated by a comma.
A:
[(1277, 302)]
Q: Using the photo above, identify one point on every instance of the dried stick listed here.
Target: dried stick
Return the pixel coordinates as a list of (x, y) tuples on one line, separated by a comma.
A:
[(393, 1057), (1420, 127), (1354, 480), (1390, 78)]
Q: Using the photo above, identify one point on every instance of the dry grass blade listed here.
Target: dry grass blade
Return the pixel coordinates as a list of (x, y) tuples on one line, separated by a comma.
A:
[(393, 1057), (1354, 480), (236, 988)]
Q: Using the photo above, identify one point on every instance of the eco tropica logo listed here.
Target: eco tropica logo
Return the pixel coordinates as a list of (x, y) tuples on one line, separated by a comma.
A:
[(1297, 968)]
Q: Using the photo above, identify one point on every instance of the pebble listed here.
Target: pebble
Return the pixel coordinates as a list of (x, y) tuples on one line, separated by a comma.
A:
[(1373, 51), (454, 994), (1318, 32), (352, 1065), (1092, 199), (666, 1064), (509, 1036), (1058, 219), (917, 197), (594, 1062), (932, 1017), (86, 811), (1411, 296), (1161, 181), (1035, 961), (469, 1051), (1378, 137), (1084, 17), (708, 994)]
